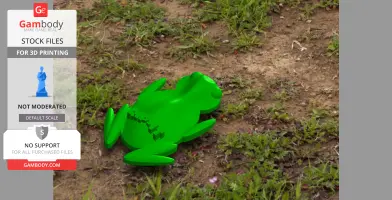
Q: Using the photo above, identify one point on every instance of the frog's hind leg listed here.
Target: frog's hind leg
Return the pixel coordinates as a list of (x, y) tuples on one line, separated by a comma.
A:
[(152, 155), (156, 85), (114, 125), (198, 130)]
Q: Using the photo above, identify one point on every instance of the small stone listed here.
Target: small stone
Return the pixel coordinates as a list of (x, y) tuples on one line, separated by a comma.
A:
[(281, 17), (308, 21), (225, 41)]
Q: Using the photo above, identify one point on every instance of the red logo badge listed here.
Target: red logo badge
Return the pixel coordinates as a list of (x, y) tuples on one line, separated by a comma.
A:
[(40, 9)]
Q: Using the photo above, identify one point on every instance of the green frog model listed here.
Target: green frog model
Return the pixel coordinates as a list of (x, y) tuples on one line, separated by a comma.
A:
[(159, 120)]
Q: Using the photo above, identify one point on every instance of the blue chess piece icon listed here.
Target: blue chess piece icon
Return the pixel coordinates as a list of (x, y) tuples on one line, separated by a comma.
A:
[(41, 76)]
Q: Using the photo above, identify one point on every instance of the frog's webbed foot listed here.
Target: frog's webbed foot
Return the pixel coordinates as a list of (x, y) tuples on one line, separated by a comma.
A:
[(198, 130), (114, 125), (156, 85), (152, 155)]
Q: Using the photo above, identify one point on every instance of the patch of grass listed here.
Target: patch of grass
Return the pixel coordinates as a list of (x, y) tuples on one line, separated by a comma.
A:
[(235, 110), (240, 16), (193, 46), (245, 42), (98, 55), (281, 95), (141, 22), (89, 195), (291, 3), (129, 64), (100, 76), (239, 82), (144, 22), (112, 11), (95, 98), (193, 40), (153, 188), (155, 184), (256, 148), (258, 155), (320, 113), (263, 183), (186, 27), (263, 180), (247, 97), (318, 128), (83, 38), (144, 32), (266, 182), (250, 93), (309, 8), (193, 192), (333, 46), (284, 88), (326, 177), (245, 19), (194, 3), (277, 112), (328, 3)]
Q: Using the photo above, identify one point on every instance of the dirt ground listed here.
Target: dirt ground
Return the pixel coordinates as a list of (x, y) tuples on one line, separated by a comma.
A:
[(292, 49)]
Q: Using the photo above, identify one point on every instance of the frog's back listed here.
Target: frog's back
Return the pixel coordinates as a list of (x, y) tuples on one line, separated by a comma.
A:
[(136, 134), (169, 122), (175, 120)]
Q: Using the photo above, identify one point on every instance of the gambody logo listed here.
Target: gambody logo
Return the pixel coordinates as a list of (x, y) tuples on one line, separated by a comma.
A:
[(57, 25), (40, 9)]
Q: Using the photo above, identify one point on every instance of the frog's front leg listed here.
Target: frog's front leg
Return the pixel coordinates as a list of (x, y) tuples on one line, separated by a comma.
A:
[(114, 125), (154, 154), (198, 130)]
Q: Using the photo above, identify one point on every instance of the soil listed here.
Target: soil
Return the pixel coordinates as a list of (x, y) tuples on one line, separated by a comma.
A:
[(315, 74)]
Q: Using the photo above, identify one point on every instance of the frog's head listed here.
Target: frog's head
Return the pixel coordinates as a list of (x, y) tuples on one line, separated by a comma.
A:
[(204, 93), (211, 102)]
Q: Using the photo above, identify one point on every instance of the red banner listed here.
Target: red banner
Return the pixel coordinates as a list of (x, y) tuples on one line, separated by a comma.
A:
[(41, 165)]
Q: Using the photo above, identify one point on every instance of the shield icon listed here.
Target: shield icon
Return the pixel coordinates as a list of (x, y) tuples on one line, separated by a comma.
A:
[(42, 131)]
